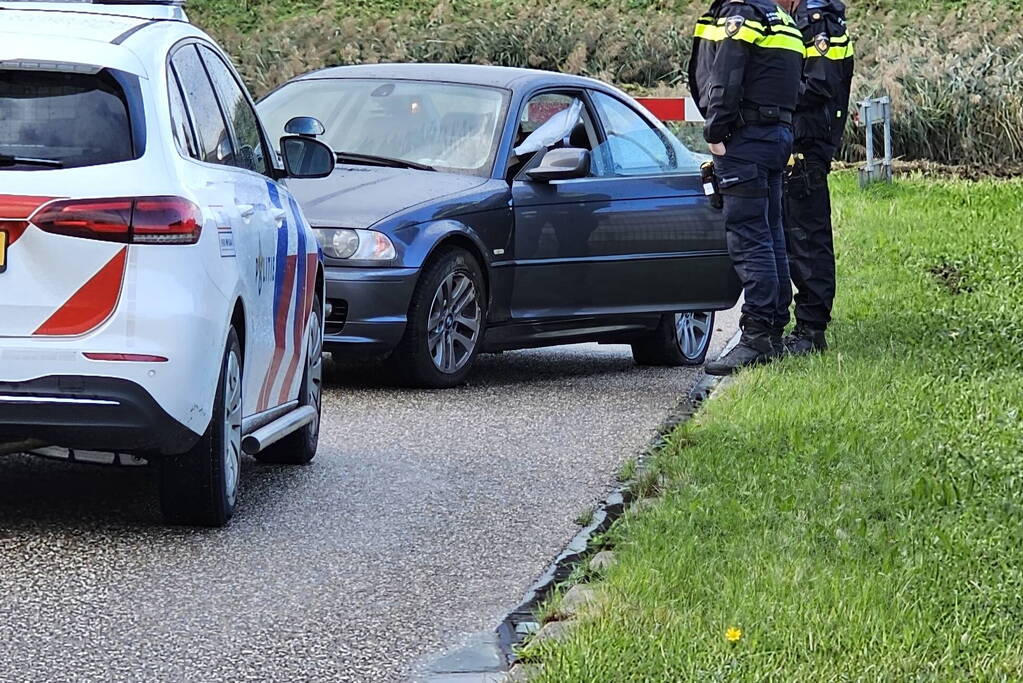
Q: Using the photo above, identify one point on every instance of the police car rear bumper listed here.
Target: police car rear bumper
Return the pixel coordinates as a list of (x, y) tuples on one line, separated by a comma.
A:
[(90, 413)]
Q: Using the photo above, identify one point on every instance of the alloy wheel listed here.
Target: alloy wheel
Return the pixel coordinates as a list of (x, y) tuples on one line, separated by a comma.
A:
[(693, 332), (314, 391), (454, 324), (232, 426)]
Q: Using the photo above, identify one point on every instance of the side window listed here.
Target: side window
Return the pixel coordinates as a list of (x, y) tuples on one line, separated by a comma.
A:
[(554, 120), (183, 136), (214, 140), (633, 146), (251, 152)]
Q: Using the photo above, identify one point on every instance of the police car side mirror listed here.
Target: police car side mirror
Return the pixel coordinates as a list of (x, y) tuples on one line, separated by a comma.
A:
[(305, 157), (561, 164)]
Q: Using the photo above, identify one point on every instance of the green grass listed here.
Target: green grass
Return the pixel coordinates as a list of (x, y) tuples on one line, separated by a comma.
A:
[(628, 470), (585, 518), (858, 515)]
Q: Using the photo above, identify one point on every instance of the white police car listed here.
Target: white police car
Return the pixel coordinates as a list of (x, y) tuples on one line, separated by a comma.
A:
[(161, 292)]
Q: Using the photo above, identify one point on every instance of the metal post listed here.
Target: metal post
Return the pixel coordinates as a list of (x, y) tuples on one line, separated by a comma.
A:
[(866, 119), (871, 112), (887, 139)]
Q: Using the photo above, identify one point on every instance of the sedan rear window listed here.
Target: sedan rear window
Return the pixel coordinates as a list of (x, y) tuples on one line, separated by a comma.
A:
[(52, 119)]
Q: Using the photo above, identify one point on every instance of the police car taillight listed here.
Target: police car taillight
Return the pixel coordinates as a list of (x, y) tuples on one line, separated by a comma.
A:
[(141, 220), (166, 220)]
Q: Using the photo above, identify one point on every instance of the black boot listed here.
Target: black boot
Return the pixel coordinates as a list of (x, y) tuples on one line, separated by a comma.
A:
[(805, 340), (754, 349), (777, 343)]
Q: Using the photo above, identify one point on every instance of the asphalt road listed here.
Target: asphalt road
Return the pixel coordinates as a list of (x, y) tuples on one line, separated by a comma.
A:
[(424, 518)]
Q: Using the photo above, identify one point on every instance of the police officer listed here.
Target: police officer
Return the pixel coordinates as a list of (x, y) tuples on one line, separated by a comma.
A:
[(819, 123), (744, 75)]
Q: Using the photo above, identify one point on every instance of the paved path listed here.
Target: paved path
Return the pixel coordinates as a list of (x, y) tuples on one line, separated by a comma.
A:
[(425, 517)]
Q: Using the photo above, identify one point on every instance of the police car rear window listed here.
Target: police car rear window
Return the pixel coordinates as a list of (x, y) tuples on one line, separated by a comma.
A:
[(52, 120)]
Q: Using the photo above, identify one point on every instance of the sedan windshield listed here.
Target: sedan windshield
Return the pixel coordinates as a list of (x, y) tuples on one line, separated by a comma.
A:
[(443, 126)]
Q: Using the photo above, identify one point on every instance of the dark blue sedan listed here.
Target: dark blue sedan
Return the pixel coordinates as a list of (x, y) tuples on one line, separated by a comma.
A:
[(478, 209)]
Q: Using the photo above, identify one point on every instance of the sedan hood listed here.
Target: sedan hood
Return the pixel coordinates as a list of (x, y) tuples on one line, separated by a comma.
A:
[(362, 196)]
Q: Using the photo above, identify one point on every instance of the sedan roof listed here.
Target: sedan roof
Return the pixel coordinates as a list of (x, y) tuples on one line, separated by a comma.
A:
[(468, 74)]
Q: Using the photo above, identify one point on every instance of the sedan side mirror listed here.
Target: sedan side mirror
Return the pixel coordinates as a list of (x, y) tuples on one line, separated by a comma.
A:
[(305, 157), (561, 164), (306, 126)]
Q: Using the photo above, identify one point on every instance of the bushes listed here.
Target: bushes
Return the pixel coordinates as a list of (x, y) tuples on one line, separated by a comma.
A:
[(953, 72), (640, 46), (954, 80)]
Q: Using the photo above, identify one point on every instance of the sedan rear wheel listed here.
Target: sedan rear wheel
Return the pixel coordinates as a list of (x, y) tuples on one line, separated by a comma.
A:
[(446, 322), (692, 333), (680, 339)]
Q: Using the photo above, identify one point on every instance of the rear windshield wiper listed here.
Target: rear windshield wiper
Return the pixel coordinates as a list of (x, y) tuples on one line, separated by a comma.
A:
[(7, 160), (373, 160)]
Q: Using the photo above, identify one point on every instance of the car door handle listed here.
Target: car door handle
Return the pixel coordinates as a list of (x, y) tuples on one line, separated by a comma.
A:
[(280, 215), (247, 210)]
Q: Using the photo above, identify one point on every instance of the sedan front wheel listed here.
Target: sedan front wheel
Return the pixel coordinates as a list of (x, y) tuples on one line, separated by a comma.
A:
[(446, 322)]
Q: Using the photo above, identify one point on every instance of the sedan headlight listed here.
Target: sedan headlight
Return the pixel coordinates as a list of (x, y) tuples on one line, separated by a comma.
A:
[(355, 245)]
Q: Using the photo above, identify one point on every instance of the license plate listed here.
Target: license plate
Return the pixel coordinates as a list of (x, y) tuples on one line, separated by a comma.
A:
[(3, 251)]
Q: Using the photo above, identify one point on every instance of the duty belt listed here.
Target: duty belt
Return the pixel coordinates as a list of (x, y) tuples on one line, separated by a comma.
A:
[(765, 116)]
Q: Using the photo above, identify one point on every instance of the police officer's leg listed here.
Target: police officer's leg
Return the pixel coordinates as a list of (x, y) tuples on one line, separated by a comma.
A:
[(781, 260), (813, 306), (744, 186), (812, 256)]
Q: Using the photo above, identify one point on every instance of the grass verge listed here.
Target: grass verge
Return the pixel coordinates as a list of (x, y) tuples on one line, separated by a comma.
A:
[(857, 515)]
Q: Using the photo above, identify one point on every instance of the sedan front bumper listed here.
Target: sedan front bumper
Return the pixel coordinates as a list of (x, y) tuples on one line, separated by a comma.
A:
[(369, 308)]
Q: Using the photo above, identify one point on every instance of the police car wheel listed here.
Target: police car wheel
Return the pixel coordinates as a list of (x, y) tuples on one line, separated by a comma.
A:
[(200, 487), (680, 339)]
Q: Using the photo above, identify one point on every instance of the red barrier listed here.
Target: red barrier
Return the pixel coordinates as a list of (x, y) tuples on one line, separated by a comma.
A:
[(672, 108)]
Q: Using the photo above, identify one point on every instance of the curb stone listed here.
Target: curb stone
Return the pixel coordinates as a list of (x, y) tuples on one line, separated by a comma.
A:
[(578, 598), (496, 650), (522, 673), (605, 559), (643, 504), (555, 630)]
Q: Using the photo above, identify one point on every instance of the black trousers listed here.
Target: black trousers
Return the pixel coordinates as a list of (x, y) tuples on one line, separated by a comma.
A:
[(808, 234), (750, 178)]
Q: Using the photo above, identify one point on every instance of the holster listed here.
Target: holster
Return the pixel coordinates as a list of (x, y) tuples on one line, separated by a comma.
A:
[(798, 181), (802, 179), (710, 185)]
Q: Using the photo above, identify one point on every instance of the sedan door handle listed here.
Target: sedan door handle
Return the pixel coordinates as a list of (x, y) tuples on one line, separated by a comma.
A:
[(280, 215), (247, 210)]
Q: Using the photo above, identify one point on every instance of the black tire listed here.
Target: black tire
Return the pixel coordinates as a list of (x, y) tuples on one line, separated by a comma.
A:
[(299, 448), (414, 360), (665, 347), (200, 487)]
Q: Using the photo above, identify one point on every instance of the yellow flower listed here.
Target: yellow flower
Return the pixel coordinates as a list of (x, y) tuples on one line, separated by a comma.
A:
[(733, 634)]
